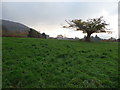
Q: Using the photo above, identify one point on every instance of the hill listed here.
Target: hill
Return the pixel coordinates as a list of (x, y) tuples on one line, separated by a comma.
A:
[(47, 63), (10, 28), (15, 29)]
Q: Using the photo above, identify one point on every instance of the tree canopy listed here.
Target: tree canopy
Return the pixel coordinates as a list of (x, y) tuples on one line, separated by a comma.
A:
[(90, 26)]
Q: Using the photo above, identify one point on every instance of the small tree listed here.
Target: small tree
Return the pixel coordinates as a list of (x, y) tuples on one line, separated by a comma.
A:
[(43, 35), (96, 25), (33, 33)]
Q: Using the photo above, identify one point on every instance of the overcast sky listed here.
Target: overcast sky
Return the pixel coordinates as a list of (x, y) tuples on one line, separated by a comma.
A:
[(49, 17)]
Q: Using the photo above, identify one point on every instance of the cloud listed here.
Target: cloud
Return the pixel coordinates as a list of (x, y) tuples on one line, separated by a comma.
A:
[(112, 20), (60, 0), (48, 17)]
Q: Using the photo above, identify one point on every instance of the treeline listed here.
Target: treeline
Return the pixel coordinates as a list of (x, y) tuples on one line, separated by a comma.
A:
[(36, 34)]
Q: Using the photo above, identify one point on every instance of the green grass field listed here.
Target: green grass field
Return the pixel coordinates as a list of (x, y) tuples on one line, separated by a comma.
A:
[(47, 63)]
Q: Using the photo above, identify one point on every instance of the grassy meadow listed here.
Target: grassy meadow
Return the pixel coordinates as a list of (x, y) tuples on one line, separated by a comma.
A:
[(48, 63)]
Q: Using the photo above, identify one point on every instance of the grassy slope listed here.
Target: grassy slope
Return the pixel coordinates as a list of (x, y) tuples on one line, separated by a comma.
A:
[(30, 62)]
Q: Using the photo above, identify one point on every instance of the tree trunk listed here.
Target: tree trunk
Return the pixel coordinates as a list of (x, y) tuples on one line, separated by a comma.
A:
[(88, 37)]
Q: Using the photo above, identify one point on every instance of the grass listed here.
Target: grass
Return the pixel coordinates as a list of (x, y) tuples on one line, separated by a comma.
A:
[(47, 63)]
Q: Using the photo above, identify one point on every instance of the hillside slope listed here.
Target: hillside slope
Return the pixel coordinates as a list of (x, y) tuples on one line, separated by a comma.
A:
[(10, 28)]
